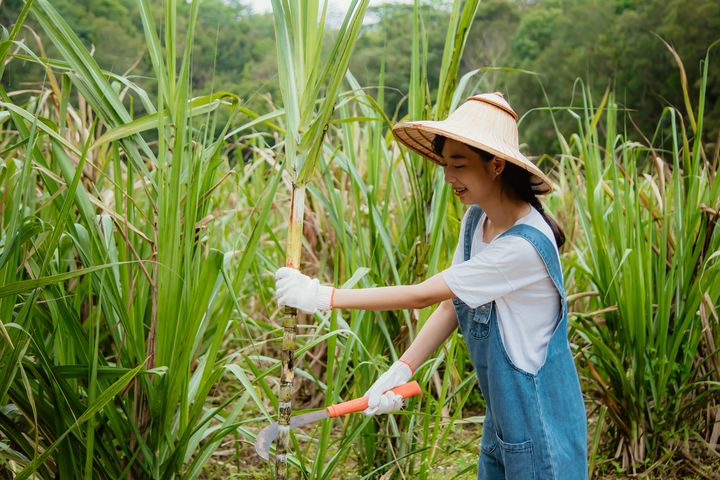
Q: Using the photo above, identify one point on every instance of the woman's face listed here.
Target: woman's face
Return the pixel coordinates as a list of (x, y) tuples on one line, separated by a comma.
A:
[(471, 178)]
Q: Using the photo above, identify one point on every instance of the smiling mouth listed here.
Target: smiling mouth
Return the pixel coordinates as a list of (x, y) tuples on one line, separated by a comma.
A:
[(460, 190)]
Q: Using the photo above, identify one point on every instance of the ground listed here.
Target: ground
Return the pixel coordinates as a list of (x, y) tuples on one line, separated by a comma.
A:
[(238, 460)]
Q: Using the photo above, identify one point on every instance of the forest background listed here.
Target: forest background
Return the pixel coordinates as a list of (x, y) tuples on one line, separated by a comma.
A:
[(534, 51)]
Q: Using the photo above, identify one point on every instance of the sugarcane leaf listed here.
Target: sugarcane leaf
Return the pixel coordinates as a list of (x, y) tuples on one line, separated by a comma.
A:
[(100, 402), (198, 106)]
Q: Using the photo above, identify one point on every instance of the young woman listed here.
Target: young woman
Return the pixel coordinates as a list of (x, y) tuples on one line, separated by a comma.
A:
[(504, 290)]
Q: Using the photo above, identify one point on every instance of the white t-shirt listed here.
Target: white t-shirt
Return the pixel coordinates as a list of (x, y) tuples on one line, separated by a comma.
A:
[(511, 272)]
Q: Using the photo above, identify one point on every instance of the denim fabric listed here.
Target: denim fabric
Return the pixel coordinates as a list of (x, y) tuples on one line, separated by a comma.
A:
[(535, 425)]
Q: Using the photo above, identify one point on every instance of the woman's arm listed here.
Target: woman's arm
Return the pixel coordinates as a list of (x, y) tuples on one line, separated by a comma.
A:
[(436, 330), (431, 291)]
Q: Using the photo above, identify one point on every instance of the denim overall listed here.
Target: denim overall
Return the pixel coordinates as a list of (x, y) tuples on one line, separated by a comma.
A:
[(535, 425)]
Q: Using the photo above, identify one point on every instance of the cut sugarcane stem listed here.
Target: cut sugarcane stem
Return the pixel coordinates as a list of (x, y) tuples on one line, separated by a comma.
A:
[(292, 316)]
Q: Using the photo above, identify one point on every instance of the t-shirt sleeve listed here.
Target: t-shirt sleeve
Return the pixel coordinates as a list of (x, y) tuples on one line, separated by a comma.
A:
[(506, 265)]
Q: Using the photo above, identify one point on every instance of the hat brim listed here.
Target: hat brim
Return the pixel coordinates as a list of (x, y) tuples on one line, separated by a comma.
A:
[(419, 136)]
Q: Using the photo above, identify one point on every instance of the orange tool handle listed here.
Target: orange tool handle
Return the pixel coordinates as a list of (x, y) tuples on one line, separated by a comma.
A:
[(407, 390)]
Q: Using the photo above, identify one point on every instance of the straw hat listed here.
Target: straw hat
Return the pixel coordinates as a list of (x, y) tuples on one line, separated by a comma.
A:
[(485, 121)]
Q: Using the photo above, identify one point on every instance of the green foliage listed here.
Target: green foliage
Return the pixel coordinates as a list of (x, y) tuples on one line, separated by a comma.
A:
[(495, 24), (233, 48), (603, 42), (534, 33), (139, 331), (649, 216), (610, 44), (387, 45), (104, 25), (110, 346)]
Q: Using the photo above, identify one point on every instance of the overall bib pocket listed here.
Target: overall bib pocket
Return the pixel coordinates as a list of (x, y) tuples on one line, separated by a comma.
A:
[(473, 321), (480, 327)]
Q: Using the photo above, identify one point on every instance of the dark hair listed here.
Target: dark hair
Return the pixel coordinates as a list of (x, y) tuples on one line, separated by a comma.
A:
[(517, 180)]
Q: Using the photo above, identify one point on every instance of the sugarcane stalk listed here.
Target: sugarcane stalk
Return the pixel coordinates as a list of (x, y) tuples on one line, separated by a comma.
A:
[(303, 75), (291, 317)]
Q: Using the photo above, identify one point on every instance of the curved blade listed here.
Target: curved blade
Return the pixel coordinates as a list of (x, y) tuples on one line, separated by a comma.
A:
[(265, 437)]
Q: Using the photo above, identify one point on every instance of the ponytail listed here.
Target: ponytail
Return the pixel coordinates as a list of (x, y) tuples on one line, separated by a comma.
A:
[(518, 180)]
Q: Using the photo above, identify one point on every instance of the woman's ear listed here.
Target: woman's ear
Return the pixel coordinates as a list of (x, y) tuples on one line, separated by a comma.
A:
[(498, 165)]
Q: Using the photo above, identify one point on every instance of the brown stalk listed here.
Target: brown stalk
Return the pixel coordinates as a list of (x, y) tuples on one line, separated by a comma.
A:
[(290, 321)]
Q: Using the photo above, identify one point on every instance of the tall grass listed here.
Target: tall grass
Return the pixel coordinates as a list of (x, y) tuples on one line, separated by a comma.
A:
[(649, 216), (111, 345)]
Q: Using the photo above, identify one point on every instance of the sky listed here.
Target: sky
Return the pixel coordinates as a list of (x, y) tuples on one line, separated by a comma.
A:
[(335, 13), (339, 5)]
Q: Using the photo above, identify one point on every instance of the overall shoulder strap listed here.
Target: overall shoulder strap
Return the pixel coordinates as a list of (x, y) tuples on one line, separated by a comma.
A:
[(545, 249), (473, 218), (548, 253)]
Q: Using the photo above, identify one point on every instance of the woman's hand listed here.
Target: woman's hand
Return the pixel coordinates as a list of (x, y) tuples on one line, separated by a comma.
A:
[(294, 289), (438, 327), (380, 400)]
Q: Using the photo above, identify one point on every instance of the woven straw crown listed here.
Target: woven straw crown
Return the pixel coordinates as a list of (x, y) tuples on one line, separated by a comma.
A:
[(484, 121)]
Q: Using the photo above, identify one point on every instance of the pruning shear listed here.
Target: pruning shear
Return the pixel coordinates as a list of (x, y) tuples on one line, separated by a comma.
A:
[(266, 436)]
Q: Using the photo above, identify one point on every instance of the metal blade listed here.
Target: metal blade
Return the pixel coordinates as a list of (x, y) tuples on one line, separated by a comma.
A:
[(265, 437), (305, 418)]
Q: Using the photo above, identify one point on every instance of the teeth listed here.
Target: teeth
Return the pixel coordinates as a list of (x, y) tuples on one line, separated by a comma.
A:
[(459, 190)]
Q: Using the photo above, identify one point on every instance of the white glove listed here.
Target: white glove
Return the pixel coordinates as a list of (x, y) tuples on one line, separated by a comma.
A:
[(294, 289), (380, 400)]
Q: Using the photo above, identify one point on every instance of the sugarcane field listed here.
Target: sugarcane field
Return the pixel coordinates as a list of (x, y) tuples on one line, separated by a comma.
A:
[(360, 239)]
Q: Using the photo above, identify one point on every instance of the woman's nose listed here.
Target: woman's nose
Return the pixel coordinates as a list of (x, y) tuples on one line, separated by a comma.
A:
[(448, 174)]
